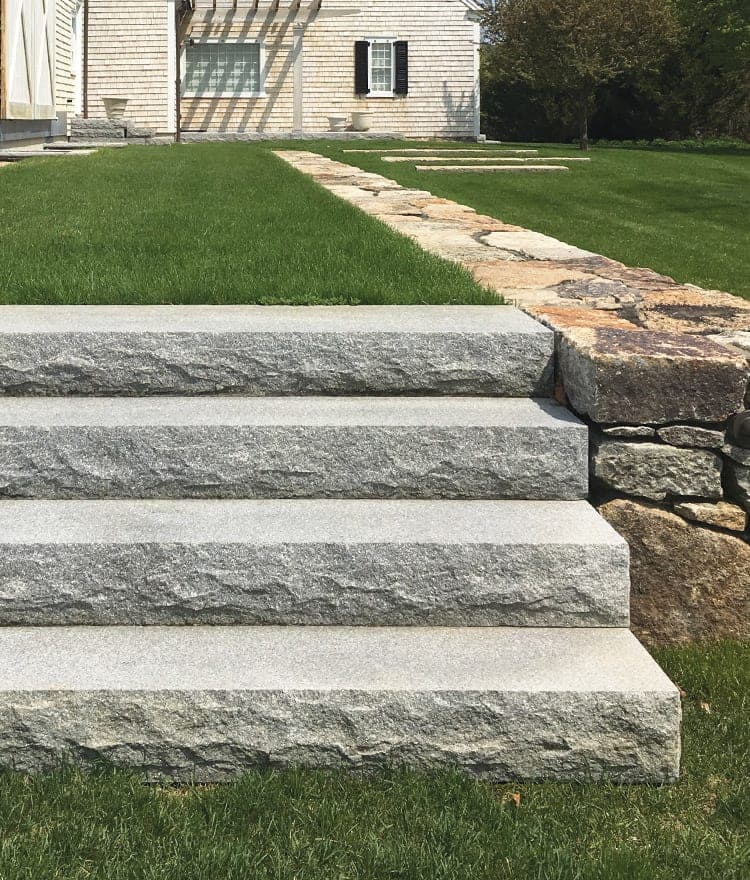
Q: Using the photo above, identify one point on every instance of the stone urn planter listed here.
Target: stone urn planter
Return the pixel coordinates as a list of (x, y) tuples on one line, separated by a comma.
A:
[(362, 121), (115, 108), (337, 123)]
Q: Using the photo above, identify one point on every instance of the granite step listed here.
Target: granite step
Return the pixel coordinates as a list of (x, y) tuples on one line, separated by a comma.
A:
[(207, 703), (269, 350), (291, 447), (376, 563)]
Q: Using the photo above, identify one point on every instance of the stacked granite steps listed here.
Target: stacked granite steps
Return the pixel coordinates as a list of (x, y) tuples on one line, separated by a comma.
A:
[(326, 536)]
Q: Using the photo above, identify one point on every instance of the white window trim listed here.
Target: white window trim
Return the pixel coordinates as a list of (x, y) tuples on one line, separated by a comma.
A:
[(198, 41), (383, 94)]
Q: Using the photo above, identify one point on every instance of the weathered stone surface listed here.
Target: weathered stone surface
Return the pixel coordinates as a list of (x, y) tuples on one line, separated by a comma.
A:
[(273, 350), (688, 582), (630, 431), (691, 436), (638, 377), (686, 309), (486, 563), (738, 482), (534, 245), (210, 702), (738, 454), (291, 447), (722, 515), (654, 471)]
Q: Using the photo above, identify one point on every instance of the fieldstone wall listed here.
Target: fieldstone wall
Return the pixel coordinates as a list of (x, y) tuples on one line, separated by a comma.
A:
[(669, 465), (658, 369)]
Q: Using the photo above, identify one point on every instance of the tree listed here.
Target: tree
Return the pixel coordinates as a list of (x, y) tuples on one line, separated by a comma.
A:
[(569, 49)]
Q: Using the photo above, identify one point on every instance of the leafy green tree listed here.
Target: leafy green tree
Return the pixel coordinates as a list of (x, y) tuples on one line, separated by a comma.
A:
[(568, 50)]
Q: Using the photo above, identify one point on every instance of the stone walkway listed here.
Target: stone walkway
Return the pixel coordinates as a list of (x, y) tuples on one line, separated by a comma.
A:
[(564, 285)]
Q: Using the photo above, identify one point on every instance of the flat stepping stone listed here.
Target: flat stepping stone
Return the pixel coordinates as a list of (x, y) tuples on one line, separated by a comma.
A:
[(270, 350), (206, 703), (458, 152), (358, 562), (291, 447), (509, 160), (513, 169)]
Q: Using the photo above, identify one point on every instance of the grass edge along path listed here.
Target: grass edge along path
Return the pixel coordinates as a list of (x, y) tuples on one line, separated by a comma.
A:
[(684, 213), (209, 223), (306, 825)]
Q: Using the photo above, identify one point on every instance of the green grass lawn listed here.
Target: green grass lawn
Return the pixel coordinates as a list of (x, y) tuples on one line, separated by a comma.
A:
[(332, 826), (686, 214), (214, 223)]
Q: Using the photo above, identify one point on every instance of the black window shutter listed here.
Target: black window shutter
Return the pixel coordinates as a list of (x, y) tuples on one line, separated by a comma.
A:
[(362, 67), (402, 68)]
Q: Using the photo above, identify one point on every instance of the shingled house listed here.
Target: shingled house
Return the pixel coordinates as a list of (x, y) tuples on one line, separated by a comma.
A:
[(272, 66)]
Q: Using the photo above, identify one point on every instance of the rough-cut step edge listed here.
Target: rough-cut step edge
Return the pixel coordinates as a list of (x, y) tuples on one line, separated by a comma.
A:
[(441, 563)]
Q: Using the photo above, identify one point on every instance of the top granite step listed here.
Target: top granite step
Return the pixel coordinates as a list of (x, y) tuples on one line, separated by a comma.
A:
[(273, 350)]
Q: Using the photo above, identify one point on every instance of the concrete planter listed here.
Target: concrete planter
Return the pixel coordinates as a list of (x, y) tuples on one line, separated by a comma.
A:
[(362, 121), (115, 107), (337, 123)]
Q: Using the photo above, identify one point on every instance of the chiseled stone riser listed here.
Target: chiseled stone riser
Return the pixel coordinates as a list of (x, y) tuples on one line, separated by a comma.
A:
[(278, 461), (261, 565), (263, 350), (207, 703), (211, 736), (313, 584)]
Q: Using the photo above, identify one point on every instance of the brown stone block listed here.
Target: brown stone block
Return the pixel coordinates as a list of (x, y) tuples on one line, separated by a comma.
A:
[(689, 583), (640, 377)]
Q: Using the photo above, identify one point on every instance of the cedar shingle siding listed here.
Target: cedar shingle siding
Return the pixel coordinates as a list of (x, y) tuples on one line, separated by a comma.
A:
[(128, 57)]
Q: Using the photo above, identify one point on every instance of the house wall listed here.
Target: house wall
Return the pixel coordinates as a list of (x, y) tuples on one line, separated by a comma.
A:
[(442, 56), (64, 74), (128, 58), (21, 131)]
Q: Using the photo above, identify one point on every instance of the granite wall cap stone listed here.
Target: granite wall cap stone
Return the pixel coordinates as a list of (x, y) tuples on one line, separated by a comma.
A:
[(630, 376)]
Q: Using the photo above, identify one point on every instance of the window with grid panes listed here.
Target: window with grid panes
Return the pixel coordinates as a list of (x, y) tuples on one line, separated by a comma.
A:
[(381, 67), (223, 69)]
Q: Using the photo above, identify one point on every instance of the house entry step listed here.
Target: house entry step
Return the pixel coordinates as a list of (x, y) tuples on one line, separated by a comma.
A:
[(206, 703), (442, 563), (291, 447), (274, 350)]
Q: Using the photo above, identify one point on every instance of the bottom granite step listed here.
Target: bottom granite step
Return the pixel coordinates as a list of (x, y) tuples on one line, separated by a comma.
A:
[(206, 702)]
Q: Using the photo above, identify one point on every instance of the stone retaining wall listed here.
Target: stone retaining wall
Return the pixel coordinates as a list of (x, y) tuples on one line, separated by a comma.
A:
[(657, 368)]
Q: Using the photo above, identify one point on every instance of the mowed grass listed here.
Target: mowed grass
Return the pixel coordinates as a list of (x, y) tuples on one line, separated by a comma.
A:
[(213, 223), (302, 825), (685, 214)]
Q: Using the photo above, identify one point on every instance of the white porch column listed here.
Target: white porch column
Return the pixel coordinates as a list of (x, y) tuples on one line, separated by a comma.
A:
[(172, 66), (297, 52), (477, 80)]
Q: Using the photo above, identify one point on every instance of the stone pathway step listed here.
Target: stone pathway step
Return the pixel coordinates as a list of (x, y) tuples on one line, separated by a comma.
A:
[(514, 169), (261, 447), (273, 350), (507, 160), (450, 152), (377, 563), (210, 702)]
